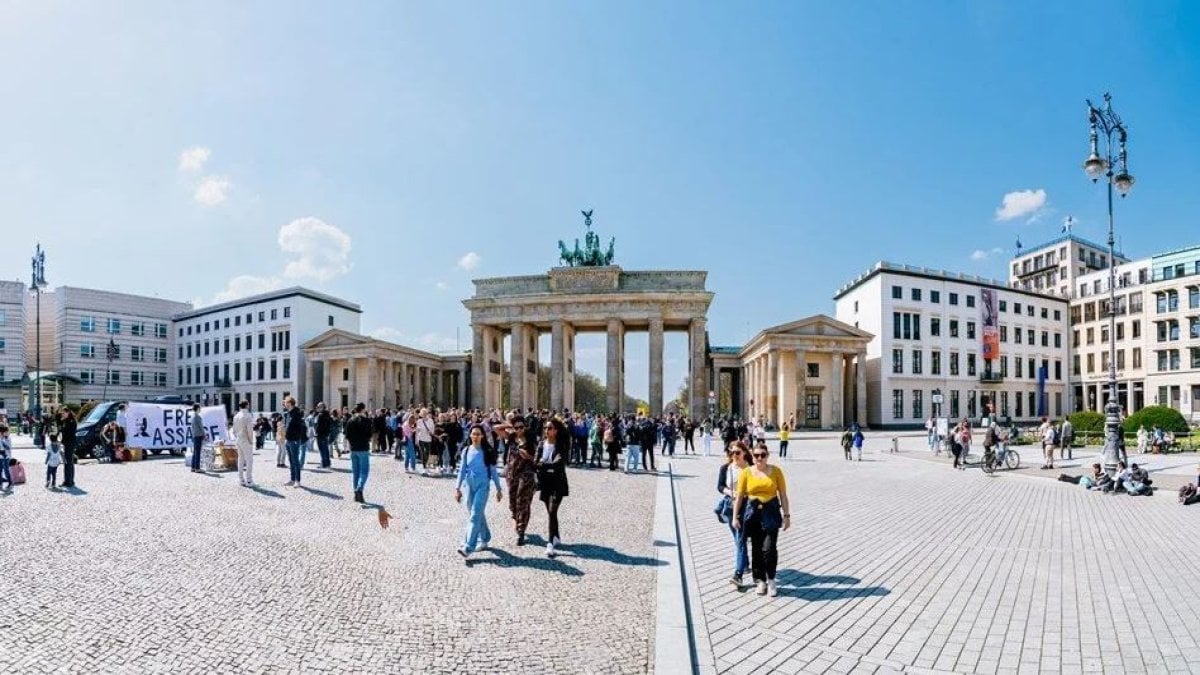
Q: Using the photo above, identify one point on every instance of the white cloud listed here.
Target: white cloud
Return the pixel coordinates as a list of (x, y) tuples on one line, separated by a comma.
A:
[(320, 250), (316, 251), (193, 159), (441, 285), (212, 190), (469, 261), (432, 342), (1021, 203), (982, 255)]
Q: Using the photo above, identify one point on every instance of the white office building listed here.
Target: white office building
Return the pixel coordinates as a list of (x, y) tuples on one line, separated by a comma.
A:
[(930, 328), (1157, 334), (1054, 268), (77, 327), (12, 345), (249, 349)]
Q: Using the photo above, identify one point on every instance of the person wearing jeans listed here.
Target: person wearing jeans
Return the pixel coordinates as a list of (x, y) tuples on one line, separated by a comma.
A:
[(358, 435), (759, 511), (727, 481), (295, 436), (477, 473), (322, 425), (197, 437)]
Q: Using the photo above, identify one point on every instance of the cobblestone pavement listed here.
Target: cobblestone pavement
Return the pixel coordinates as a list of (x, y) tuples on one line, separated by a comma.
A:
[(149, 568), (898, 565)]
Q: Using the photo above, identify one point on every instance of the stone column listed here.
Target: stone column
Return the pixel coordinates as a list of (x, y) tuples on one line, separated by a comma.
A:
[(569, 366), (860, 388), (516, 366), (787, 387), (614, 391), (838, 386), (478, 370), (772, 407), (352, 364), (801, 385), (557, 364), (698, 350), (327, 392), (656, 366), (308, 401), (531, 379), (372, 396)]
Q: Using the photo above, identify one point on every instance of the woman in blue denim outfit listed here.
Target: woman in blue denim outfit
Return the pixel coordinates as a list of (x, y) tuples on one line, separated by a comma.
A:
[(726, 485), (477, 472)]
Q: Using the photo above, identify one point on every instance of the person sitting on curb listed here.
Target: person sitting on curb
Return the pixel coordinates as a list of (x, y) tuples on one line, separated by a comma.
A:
[(1138, 482)]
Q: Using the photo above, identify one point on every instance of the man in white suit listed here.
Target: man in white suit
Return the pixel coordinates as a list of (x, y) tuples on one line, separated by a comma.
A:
[(243, 431)]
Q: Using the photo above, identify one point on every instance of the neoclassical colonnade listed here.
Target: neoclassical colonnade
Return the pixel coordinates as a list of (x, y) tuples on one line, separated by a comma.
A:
[(343, 369), (568, 301), (808, 373)]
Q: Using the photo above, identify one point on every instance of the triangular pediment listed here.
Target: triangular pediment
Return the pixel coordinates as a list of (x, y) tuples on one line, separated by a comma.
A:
[(335, 337), (818, 325)]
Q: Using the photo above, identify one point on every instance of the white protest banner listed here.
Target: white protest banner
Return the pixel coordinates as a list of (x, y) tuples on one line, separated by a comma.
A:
[(164, 425)]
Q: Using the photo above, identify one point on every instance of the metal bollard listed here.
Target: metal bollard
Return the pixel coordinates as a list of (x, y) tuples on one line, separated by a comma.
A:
[(895, 445)]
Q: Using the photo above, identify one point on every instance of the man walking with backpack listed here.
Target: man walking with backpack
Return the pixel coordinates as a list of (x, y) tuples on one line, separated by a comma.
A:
[(1068, 438)]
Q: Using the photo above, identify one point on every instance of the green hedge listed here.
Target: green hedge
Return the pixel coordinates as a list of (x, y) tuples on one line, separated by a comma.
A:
[(1087, 420), (1166, 417)]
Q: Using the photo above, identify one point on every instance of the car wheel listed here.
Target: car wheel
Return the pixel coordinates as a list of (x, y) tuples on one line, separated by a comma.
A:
[(156, 451)]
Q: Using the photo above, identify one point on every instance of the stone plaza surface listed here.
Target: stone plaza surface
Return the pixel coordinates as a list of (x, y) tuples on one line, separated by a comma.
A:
[(149, 568), (899, 564)]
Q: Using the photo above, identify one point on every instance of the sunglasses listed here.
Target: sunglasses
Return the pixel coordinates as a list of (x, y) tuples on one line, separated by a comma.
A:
[(760, 455)]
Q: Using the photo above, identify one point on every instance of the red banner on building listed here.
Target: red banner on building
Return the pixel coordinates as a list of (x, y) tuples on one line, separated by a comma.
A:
[(990, 320)]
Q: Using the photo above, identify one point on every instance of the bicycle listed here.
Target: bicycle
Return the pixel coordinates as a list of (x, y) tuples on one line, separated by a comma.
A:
[(1008, 459)]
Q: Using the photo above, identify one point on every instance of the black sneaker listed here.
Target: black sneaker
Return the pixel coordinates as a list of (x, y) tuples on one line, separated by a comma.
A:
[(521, 539), (736, 580), (358, 497)]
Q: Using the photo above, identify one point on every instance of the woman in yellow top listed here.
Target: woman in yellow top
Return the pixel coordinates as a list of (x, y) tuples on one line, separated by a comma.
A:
[(785, 432), (760, 510)]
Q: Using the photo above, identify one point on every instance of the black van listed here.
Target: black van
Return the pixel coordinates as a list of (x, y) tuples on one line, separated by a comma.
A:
[(87, 433)]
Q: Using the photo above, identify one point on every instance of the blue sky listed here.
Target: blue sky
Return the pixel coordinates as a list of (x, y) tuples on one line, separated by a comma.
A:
[(162, 147)]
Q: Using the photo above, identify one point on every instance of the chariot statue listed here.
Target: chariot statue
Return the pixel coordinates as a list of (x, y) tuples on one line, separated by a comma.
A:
[(591, 254)]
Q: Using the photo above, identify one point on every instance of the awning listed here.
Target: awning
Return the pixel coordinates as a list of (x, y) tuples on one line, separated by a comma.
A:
[(49, 375)]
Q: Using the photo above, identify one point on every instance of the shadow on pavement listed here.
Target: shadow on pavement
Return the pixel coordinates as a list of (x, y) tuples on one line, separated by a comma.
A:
[(593, 552), (74, 491), (814, 588), (505, 559), (266, 492), (321, 493)]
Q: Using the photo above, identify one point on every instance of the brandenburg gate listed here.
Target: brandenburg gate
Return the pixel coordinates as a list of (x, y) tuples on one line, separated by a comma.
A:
[(588, 295)]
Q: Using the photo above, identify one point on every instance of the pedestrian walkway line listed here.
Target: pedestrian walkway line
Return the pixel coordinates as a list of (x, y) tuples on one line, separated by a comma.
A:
[(674, 632)]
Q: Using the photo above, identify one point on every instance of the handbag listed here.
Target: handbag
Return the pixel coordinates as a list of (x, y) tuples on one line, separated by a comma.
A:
[(724, 509), (16, 471)]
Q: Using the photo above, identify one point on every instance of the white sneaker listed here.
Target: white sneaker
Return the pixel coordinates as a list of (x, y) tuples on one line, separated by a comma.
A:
[(557, 542), (550, 550), (772, 589), (761, 588)]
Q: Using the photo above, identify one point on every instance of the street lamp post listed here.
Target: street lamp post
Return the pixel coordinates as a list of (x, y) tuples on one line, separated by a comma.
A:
[(110, 354), (1114, 167), (37, 282)]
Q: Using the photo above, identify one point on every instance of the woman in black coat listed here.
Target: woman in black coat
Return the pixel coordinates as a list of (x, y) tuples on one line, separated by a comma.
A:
[(552, 456)]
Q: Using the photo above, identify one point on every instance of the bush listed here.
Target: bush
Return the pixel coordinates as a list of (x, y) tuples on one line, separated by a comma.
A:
[(1168, 418), (1087, 420)]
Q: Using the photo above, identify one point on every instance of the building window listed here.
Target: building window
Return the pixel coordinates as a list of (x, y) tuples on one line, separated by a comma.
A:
[(287, 368), (954, 298), (137, 353), (1029, 335), (953, 328), (1016, 308), (262, 369), (970, 301), (87, 376), (935, 326), (331, 316), (160, 355), (814, 369), (136, 378), (898, 404), (346, 375), (262, 316), (1046, 338), (114, 377), (274, 314), (971, 330), (1003, 366), (87, 324), (237, 371), (1058, 340), (918, 412), (935, 362), (137, 329), (972, 408), (287, 312), (897, 293), (87, 350), (916, 295), (954, 363), (262, 340), (954, 404), (274, 369), (971, 365), (897, 360), (916, 362)]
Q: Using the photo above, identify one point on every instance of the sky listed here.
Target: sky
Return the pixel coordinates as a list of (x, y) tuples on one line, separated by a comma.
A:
[(391, 152)]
